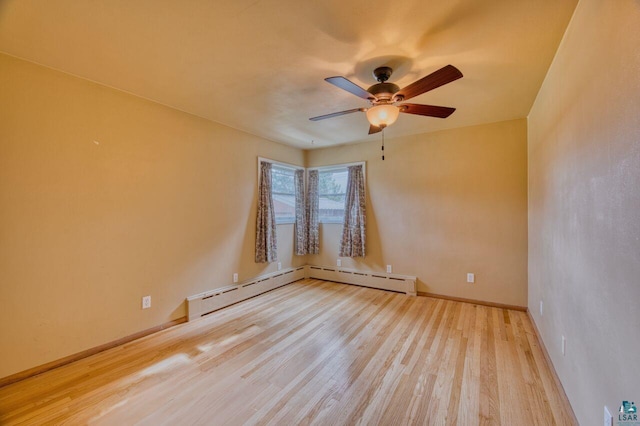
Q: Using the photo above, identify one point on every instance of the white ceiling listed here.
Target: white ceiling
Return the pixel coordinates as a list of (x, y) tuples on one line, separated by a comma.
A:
[(259, 65)]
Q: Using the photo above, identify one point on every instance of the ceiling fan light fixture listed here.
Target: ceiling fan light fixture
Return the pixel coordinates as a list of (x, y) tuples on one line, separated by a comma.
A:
[(383, 95), (382, 115)]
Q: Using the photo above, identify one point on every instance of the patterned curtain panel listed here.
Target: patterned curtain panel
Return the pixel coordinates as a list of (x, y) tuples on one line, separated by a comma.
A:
[(313, 202), (354, 227), (301, 217), (266, 250)]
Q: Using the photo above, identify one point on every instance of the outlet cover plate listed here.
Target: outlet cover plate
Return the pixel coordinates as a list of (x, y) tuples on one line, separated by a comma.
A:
[(146, 302), (471, 278)]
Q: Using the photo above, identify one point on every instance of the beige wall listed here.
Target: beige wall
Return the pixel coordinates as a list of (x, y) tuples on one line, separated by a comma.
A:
[(164, 206), (584, 207), (441, 205)]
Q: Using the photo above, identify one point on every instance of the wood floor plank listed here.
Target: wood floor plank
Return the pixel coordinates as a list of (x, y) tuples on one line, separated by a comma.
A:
[(312, 352)]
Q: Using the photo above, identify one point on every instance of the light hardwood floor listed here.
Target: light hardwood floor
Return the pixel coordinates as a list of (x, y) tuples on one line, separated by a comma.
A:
[(311, 352)]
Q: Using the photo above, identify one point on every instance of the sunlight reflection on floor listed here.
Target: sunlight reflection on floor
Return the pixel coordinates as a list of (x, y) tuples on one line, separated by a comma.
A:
[(167, 364), (110, 409), (228, 341)]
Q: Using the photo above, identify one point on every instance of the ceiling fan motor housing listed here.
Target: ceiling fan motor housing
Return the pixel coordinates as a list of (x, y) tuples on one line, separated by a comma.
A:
[(383, 91)]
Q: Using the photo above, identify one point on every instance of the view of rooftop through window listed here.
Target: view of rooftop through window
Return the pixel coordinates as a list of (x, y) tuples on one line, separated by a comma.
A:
[(284, 194), (332, 189)]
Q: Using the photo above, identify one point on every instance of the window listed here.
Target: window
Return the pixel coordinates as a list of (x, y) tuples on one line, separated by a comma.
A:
[(283, 191), (284, 194), (332, 188)]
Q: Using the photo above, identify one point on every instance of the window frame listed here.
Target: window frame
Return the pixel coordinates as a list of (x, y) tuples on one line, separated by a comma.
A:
[(287, 166), (321, 169)]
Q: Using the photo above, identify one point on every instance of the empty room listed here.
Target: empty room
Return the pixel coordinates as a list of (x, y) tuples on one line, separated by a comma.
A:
[(320, 212)]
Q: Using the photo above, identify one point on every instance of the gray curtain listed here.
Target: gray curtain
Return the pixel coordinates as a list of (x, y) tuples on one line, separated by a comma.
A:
[(354, 227), (301, 219), (266, 250), (313, 202)]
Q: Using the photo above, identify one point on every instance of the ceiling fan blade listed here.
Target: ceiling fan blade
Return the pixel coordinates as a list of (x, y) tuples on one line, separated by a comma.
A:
[(428, 110), (350, 87), (434, 80), (374, 129), (335, 114)]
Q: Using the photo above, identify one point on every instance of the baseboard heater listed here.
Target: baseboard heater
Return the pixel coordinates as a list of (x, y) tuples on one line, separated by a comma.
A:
[(392, 282), (202, 304)]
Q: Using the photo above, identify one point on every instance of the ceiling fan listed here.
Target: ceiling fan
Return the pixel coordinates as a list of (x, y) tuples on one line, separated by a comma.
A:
[(383, 95)]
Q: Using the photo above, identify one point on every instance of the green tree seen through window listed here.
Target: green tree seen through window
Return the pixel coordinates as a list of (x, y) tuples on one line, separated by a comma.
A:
[(282, 181), (329, 187)]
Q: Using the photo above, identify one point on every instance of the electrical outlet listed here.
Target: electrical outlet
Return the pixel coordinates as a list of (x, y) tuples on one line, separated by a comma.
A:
[(471, 278), (235, 277), (541, 306), (389, 269), (339, 262), (279, 266), (146, 302), (608, 418), (564, 345)]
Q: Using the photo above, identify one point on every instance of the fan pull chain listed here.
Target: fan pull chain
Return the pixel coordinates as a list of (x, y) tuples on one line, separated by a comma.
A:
[(382, 144)]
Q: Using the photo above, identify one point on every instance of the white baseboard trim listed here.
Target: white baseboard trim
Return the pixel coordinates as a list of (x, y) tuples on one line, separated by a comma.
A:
[(204, 303), (392, 282)]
